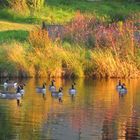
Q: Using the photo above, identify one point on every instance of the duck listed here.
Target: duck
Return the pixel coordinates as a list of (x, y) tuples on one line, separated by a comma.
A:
[(22, 91), (6, 84), (15, 84), (2, 95), (41, 89), (123, 89), (119, 86), (8, 95), (60, 94), (52, 87), (72, 90), (57, 93), (18, 96)]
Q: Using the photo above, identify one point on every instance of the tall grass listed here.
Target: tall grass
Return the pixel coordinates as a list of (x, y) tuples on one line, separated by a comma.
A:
[(55, 60), (120, 37), (66, 61), (73, 61), (114, 52), (46, 56), (109, 65), (6, 68), (9, 66)]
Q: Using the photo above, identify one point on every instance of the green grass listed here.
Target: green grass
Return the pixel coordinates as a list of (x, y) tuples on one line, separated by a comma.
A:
[(6, 25), (10, 31), (100, 8), (62, 11), (9, 15), (77, 61), (11, 35), (50, 14)]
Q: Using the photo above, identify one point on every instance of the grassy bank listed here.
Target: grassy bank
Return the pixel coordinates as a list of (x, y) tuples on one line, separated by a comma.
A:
[(5, 26), (111, 56), (62, 11), (102, 40), (10, 32)]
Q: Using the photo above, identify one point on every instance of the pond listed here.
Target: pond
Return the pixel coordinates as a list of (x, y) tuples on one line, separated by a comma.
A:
[(97, 112)]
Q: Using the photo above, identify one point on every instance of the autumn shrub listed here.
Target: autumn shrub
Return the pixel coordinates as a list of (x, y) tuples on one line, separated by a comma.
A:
[(120, 37), (45, 55), (80, 30), (52, 59)]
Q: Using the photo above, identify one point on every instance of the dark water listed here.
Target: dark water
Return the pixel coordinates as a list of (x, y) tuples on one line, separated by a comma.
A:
[(96, 113)]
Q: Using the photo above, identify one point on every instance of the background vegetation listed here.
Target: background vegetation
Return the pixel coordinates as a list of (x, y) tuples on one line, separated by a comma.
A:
[(95, 39)]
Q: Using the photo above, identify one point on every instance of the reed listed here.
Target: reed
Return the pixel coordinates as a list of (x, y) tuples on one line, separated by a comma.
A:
[(17, 55), (46, 55), (12, 60), (120, 37), (54, 59), (109, 65), (114, 51), (73, 61)]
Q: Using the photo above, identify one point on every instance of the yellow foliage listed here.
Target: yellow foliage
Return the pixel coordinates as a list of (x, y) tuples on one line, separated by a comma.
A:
[(109, 65)]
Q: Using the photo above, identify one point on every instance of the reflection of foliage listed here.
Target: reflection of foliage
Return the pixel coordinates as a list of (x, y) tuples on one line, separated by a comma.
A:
[(5, 125)]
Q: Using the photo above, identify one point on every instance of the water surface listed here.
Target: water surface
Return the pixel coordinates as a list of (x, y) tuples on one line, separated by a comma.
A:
[(97, 112)]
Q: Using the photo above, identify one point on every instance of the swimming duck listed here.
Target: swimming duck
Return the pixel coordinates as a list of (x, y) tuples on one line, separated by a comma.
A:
[(18, 96), (57, 93), (15, 85), (41, 89), (6, 84), (52, 87), (72, 90), (123, 89), (22, 91), (2, 95), (8, 95), (119, 86), (60, 94)]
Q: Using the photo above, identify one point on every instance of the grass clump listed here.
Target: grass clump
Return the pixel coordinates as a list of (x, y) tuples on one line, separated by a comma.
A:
[(109, 65), (46, 56), (10, 35), (89, 46)]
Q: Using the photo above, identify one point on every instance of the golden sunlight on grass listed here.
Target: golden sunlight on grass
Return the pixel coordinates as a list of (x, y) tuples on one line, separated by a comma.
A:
[(110, 65), (5, 25)]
